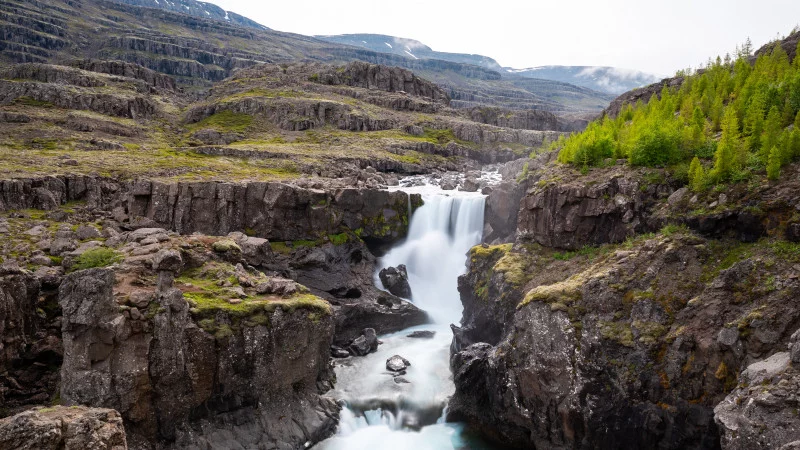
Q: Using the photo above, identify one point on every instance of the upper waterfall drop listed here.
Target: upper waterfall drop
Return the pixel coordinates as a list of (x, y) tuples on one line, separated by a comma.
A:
[(441, 233)]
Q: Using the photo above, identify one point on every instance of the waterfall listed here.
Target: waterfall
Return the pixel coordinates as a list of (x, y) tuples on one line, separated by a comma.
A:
[(380, 412), (441, 233)]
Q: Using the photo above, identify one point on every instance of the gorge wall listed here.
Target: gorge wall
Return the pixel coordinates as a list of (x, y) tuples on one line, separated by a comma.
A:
[(622, 310)]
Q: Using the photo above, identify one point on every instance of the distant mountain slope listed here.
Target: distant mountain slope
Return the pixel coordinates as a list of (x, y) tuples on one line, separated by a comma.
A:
[(199, 49), (608, 80), (197, 9), (408, 48), (612, 80)]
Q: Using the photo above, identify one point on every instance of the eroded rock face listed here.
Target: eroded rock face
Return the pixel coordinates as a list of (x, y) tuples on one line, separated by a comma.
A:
[(761, 412), (160, 369), (67, 428), (573, 215), (273, 211), (623, 350)]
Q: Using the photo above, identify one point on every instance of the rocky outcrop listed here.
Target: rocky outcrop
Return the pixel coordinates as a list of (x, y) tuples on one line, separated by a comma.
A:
[(490, 135), (571, 215), (523, 119), (57, 428), (384, 78), (503, 200), (761, 413), (128, 70), (277, 211), (395, 280), (139, 364), (630, 348), (297, 114), (63, 97)]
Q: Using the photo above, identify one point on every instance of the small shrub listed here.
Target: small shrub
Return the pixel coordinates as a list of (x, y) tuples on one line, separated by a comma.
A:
[(96, 257)]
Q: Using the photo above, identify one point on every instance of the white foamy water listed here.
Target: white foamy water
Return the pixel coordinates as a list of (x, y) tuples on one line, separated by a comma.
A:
[(381, 414)]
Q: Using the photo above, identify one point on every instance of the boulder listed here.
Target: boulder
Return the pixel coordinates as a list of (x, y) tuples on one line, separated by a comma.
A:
[(277, 286), (85, 232), (169, 260), (395, 280), (470, 185), (397, 364), (761, 413), (422, 334), (365, 344), (63, 428)]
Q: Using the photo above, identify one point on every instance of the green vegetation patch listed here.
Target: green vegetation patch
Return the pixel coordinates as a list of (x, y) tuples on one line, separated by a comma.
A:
[(96, 257), (514, 267), (29, 101), (619, 332), (732, 120), (225, 121)]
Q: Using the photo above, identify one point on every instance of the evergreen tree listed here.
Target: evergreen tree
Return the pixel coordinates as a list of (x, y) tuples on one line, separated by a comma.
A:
[(725, 158), (754, 122), (715, 114), (772, 132), (697, 175), (774, 164), (796, 54)]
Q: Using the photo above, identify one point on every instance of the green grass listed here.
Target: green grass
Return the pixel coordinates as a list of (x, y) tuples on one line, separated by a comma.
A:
[(587, 251), (225, 121), (787, 251), (28, 101), (96, 257)]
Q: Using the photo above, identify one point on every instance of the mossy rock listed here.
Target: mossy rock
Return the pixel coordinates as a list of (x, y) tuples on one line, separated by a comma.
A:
[(225, 246)]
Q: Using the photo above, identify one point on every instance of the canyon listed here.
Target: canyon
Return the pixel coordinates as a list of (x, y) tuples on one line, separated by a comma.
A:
[(285, 243)]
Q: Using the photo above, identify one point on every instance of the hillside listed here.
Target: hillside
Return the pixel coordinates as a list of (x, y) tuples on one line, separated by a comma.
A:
[(409, 48), (196, 8), (198, 50)]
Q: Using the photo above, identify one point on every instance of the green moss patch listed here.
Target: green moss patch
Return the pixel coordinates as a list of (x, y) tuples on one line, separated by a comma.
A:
[(225, 121)]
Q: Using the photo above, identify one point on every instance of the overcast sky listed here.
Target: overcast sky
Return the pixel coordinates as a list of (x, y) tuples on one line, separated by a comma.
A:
[(654, 36)]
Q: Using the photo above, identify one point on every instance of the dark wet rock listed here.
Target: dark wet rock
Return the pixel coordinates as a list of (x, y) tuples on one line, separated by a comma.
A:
[(395, 280), (422, 334), (339, 352), (365, 344), (470, 184), (397, 364), (386, 314), (60, 427)]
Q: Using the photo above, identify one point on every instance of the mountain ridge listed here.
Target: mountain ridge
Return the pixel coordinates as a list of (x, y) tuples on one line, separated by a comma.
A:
[(605, 79)]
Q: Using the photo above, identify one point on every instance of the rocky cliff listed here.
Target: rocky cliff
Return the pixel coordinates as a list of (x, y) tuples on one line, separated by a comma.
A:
[(633, 335)]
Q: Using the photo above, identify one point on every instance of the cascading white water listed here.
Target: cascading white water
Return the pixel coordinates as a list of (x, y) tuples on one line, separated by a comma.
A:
[(441, 233), (382, 413)]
